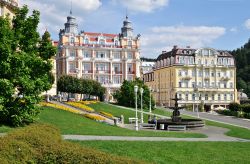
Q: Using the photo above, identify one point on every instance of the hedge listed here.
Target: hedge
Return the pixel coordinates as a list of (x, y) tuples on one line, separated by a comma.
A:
[(41, 143)]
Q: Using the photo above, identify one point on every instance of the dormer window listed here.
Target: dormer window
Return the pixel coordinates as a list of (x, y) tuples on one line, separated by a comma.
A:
[(86, 41), (116, 43), (72, 40), (102, 42)]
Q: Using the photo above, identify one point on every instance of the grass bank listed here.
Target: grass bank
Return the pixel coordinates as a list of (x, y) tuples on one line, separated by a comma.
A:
[(176, 152)]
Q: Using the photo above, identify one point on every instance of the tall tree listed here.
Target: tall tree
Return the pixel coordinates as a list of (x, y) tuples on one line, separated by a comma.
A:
[(24, 69)]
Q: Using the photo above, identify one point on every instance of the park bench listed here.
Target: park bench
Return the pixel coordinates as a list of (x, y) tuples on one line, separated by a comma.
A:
[(177, 127), (131, 119), (145, 125)]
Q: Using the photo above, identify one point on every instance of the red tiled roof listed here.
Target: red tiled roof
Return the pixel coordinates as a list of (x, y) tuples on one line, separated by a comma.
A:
[(97, 34)]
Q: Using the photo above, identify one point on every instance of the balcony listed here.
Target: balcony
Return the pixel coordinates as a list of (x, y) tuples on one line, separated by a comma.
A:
[(187, 77), (103, 71), (87, 71), (101, 46), (225, 78), (207, 77), (117, 72), (131, 72)]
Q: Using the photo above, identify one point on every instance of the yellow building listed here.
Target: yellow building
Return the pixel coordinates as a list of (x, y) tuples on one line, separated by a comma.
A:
[(107, 58), (198, 76), (7, 7)]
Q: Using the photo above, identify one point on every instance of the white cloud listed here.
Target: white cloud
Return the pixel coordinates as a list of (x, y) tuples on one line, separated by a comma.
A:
[(164, 37), (233, 29), (247, 24), (53, 14), (143, 5)]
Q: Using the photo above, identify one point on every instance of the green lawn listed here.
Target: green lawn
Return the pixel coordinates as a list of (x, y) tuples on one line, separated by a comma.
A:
[(4, 129), (116, 111), (176, 152), (70, 123)]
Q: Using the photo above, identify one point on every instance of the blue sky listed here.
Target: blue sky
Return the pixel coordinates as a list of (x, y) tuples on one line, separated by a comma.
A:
[(220, 24)]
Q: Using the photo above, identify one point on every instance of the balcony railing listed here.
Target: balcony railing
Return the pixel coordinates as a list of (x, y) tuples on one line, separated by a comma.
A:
[(102, 71), (131, 72), (117, 72), (87, 71), (187, 77)]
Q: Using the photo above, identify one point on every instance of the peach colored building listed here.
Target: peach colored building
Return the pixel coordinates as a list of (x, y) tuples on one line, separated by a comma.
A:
[(107, 58)]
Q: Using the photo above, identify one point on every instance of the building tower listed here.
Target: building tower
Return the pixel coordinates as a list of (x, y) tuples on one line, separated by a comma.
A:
[(127, 30)]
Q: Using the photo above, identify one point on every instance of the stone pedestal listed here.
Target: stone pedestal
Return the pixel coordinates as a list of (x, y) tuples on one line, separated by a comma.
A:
[(176, 118)]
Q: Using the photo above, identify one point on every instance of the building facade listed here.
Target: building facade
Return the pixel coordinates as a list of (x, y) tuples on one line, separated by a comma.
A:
[(107, 58), (198, 76), (7, 7)]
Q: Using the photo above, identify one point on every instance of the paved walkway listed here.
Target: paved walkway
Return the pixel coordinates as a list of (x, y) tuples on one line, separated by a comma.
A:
[(231, 120), (213, 133)]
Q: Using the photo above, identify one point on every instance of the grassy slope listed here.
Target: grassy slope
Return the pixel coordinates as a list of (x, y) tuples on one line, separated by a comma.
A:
[(177, 152), (70, 123)]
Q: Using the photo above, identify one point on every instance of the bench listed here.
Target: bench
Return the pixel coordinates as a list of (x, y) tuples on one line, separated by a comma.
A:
[(177, 127), (145, 125), (131, 119)]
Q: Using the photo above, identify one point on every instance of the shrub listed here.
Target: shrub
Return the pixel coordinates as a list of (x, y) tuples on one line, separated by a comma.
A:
[(42, 143), (246, 108), (234, 107)]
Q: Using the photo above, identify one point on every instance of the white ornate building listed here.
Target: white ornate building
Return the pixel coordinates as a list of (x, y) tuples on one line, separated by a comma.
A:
[(108, 58)]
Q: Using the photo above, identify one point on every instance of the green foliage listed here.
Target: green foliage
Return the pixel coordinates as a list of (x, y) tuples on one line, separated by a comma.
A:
[(24, 67), (234, 107), (43, 144), (125, 96), (72, 84), (242, 57)]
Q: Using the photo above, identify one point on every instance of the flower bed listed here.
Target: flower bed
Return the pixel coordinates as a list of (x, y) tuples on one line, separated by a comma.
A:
[(59, 107), (88, 102), (106, 114), (81, 106), (94, 117)]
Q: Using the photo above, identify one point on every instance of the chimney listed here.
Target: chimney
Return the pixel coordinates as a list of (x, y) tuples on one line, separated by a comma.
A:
[(163, 52), (175, 47), (188, 46)]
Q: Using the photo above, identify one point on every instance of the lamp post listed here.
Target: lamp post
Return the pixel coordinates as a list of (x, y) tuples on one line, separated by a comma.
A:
[(197, 109), (136, 117), (141, 91), (150, 100)]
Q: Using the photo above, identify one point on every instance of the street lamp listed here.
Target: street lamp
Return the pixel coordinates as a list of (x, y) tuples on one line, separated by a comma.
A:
[(136, 117), (141, 91), (150, 100)]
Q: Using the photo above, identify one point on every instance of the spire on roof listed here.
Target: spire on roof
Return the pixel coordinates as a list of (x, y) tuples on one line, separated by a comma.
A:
[(70, 7)]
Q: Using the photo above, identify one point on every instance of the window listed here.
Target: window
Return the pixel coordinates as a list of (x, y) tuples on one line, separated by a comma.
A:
[(186, 96), (206, 62), (180, 84), (86, 41), (193, 72), (199, 62), (218, 84), (116, 43), (129, 43), (116, 68), (212, 62), (117, 55), (213, 85), (180, 96), (225, 96), (102, 42), (193, 96), (72, 53), (130, 55), (205, 52), (179, 73), (231, 85), (225, 84), (218, 74), (100, 54), (212, 74), (130, 78), (86, 54), (219, 97), (200, 73), (191, 60), (231, 97), (231, 74), (130, 68), (86, 67), (212, 96), (199, 84), (193, 84), (72, 40), (72, 67), (206, 96), (116, 80), (102, 66)]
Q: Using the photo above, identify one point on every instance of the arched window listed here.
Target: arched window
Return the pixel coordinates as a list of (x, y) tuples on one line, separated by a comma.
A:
[(86, 41)]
